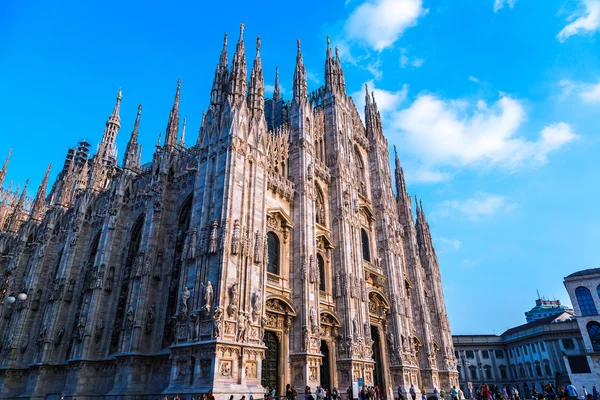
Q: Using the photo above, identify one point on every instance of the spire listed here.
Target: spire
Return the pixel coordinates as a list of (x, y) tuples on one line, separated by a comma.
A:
[(220, 82), (372, 117), (39, 203), (132, 160), (4, 168), (330, 69), (201, 129), (276, 90), (13, 223), (182, 140), (300, 86), (256, 91), (237, 77), (173, 124), (112, 129), (340, 72)]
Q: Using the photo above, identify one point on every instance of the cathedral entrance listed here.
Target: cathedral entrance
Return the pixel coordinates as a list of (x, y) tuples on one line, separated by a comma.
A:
[(270, 365), (378, 372), (325, 369)]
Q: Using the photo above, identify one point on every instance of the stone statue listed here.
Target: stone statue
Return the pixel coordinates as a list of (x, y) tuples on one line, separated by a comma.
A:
[(129, 319), (241, 336), (235, 237), (41, 336), (363, 290), (258, 247), (306, 338), (314, 323), (208, 295), (214, 237), (99, 329), (110, 279), (100, 277), (355, 328), (192, 243), (256, 304), (390, 339), (59, 335), (218, 322), (150, 319), (233, 300), (185, 295), (81, 327)]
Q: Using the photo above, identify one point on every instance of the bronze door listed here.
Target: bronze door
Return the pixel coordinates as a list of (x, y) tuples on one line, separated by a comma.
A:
[(270, 365)]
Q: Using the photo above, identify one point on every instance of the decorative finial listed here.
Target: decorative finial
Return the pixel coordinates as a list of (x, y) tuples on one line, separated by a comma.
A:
[(139, 109), (178, 83), (328, 41), (225, 40), (298, 45), (258, 44), (241, 30), (119, 94), (336, 53), (367, 88)]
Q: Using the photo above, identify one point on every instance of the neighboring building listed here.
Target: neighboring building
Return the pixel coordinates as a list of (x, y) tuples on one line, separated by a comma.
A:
[(545, 308), (584, 291), (528, 355), (273, 251)]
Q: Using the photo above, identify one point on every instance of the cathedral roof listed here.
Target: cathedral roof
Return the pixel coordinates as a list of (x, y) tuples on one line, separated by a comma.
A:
[(585, 272)]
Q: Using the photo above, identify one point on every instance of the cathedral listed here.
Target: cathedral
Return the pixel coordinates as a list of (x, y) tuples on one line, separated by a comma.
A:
[(273, 251)]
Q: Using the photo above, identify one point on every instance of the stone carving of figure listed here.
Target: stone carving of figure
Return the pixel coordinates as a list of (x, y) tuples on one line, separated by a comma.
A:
[(99, 329), (35, 303), (363, 290), (100, 277), (309, 172), (306, 338), (233, 300), (150, 320), (355, 328), (157, 265), (208, 295), (59, 335), (214, 237), (314, 323), (41, 336), (218, 322), (338, 284), (256, 304), (390, 339), (241, 336), (110, 279), (235, 237), (81, 327), (129, 320), (24, 344), (185, 295), (367, 329), (258, 247), (192, 243), (311, 269)]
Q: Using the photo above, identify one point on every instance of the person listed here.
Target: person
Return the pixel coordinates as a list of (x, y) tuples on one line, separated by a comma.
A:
[(308, 395), (595, 392), (572, 392), (231, 397), (176, 397), (377, 392), (334, 393), (454, 393), (400, 393), (273, 393), (251, 397), (504, 392), (515, 393), (423, 393), (585, 392), (550, 392), (461, 395), (412, 392), (209, 395), (243, 398), (534, 392), (165, 397), (436, 392), (349, 392), (288, 392), (485, 391), (320, 393)]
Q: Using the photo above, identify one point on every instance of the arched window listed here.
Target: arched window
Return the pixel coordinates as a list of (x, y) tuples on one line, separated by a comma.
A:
[(547, 368), (273, 248), (321, 263), (366, 250), (473, 372), (538, 368), (488, 372), (362, 184), (593, 329), (586, 303), (503, 372)]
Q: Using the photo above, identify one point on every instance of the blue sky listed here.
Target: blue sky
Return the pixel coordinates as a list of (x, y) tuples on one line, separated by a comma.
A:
[(492, 104)]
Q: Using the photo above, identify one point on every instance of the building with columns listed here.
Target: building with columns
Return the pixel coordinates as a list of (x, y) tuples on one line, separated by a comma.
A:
[(271, 251)]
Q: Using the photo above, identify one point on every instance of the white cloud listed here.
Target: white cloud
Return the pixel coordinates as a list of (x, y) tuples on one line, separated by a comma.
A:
[(374, 67), (458, 133), (270, 88), (584, 20), (406, 61), (499, 4), (425, 175), (588, 92), (312, 77), (378, 24), (448, 244), (480, 205), (473, 79)]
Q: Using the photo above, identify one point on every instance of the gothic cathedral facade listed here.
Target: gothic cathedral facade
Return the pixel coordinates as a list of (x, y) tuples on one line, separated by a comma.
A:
[(272, 251)]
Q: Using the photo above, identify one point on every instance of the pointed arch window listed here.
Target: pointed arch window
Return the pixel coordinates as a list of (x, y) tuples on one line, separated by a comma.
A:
[(585, 300), (321, 263), (366, 250), (362, 184), (273, 250), (593, 329)]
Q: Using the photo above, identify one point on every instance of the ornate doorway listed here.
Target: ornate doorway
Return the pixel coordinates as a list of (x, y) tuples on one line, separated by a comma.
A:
[(378, 373), (325, 369), (270, 365)]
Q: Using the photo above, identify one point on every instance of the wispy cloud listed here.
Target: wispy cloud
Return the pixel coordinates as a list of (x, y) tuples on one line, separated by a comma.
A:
[(408, 61), (499, 4), (586, 19), (312, 77), (270, 88), (378, 24), (445, 244), (587, 92), (473, 79), (387, 101), (475, 208)]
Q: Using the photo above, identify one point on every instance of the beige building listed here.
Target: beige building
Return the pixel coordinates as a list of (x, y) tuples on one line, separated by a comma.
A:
[(584, 291), (271, 251)]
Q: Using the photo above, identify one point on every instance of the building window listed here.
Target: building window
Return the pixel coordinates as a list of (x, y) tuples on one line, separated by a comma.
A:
[(470, 354), (586, 303), (521, 371), (533, 349), (273, 250), (321, 272), (593, 329), (547, 368), (525, 350), (503, 374), (542, 346), (473, 372), (518, 352), (365, 245), (485, 354), (499, 354), (488, 372), (530, 369), (538, 368), (568, 344)]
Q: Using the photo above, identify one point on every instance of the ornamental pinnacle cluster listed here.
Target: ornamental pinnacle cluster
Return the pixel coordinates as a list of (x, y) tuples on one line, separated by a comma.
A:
[(272, 251)]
